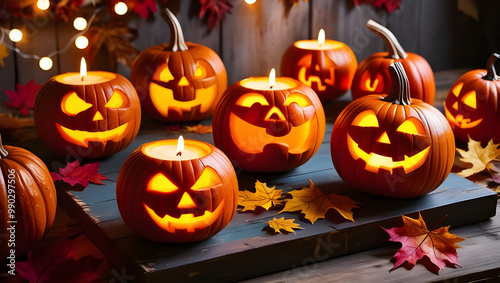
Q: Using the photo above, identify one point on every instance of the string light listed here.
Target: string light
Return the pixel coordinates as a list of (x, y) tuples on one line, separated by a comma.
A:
[(80, 23), (81, 42), (45, 63), (250, 1), (15, 35), (121, 8), (43, 4)]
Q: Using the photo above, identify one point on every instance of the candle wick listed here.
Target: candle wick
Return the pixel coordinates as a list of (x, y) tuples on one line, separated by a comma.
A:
[(179, 153), (271, 87)]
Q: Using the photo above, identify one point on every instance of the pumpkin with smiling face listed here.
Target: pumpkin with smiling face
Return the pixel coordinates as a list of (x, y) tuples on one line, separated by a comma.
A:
[(175, 201), (87, 119), (271, 130), (180, 81), (392, 145), (472, 105)]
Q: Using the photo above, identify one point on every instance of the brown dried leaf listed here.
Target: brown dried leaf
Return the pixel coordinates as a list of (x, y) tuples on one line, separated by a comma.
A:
[(264, 197)]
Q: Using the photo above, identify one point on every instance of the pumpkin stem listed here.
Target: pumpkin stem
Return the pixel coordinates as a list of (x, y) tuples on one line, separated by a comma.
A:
[(400, 91), (177, 42), (395, 49), (491, 74), (3, 151)]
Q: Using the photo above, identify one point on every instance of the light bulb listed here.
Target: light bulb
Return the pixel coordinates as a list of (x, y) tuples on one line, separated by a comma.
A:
[(80, 23), (43, 4), (250, 1), (45, 63), (15, 35), (81, 42), (121, 8)]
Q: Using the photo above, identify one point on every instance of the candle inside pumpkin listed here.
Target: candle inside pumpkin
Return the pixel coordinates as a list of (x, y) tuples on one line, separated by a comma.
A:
[(170, 149), (320, 44), (271, 83), (84, 77)]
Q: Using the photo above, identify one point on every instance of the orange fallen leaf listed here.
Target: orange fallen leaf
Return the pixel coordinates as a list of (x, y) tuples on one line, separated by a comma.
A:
[(438, 245), (283, 224), (314, 203), (200, 129), (264, 196)]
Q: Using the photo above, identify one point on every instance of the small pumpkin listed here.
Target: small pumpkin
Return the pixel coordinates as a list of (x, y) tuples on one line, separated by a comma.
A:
[(176, 201), (473, 103), (180, 81), (269, 130), (392, 145), (28, 195), (372, 76), (90, 119), (327, 67)]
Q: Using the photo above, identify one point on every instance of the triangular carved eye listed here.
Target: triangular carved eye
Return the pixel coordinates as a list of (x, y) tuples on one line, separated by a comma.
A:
[(208, 179), (366, 118), (470, 99), (116, 100), (160, 183), (71, 104), (412, 126)]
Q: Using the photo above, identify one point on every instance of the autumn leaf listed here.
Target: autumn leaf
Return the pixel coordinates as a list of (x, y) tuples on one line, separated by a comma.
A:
[(283, 224), (438, 245), (4, 52), (116, 37), (200, 129), (264, 197), (145, 7), (24, 98), (479, 157), (314, 203), (216, 10), (390, 5), (74, 174), (64, 9)]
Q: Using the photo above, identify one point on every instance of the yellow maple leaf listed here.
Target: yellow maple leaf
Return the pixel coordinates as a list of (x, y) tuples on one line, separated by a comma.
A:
[(283, 224), (264, 197), (479, 157), (4, 52), (200, 129), (314, 203)]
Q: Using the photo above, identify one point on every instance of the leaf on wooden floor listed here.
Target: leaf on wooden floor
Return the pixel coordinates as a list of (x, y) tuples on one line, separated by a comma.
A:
[(283, 224), (264, 196), (74, 174), (479, 157), (417, 242), (314, 203), (23, 98)]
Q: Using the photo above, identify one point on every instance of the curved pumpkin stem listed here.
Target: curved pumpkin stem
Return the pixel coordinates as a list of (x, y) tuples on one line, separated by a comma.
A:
[(3, 151), (395, 49), (177, 42), (400, 91), (491, 74)]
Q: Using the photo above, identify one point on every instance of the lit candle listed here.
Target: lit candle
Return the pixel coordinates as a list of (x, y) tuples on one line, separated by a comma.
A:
[(268, 83), (179, 149)]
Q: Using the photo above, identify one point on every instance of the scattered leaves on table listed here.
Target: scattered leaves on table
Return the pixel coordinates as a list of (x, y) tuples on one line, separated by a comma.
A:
[(199, 129), (390, 5), (438, 245), (313, 202), (264, 196), (74, 174), (283, 224), (479, 157), (24, 98), (216, 10), (4, 52)]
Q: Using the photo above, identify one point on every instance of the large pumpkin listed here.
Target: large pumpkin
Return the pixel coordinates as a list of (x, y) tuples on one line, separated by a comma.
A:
[(28, 200), (180, 81), (94, 118), (372, 76), (392, 145), (176, 201), (327, 67), (472, 106), (269, 130)]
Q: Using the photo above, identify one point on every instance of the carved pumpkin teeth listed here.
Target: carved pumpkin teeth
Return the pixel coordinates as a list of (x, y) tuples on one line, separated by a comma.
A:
[(187, 222), (82, 138), (459, 121)]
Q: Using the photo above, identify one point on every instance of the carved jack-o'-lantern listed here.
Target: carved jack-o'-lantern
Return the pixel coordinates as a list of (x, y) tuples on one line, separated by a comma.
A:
[(180, 81), (269, 129), (171, 198), (393, 146), (372, 76), (92, 117), (473, 103), (327, 67)]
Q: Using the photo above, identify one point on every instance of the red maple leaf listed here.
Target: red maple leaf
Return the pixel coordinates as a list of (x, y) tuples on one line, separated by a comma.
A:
[(24, 98), (217, 10), (74, 174), (145, 7), (417, 242), (390, 5)]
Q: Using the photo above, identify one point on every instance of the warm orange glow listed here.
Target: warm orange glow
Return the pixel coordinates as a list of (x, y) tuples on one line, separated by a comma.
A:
[(321, 37), (160, 183), (167, 150), (180, 145), (366, 118), (183, 81), (186, 202), (455, 105), (384, 138), (43, 4), (45, 63), (275, 114), (298, 98), (367, 84), (15, 35), (83, 69), (82, 138), (208, 179), (470, 99), (272, 78), (248, 99), (81, 42), (121, 8), (71, 104), (98, 116), (166, 75), (80, 23), (116, 100), (412, 126), (456, 90), (459, 120)]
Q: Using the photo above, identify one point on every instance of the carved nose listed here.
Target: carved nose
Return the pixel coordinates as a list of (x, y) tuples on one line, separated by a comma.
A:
[(384, 138), (275, 114), (98, 116), (183, 81), (186, 202)]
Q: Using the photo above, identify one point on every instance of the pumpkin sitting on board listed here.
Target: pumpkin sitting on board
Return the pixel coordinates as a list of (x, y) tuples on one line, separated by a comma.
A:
[(28, 200), (180, 81), (392, 145), (372, 76)]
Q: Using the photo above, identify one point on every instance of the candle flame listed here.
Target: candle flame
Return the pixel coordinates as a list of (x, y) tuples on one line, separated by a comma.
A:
[(180, 145), (272, 78), (83, 69), (321, 37)]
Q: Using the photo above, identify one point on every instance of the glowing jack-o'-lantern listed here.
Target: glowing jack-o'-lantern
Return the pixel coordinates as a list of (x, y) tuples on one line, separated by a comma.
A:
[(392, 145), (178, 197), (472, 105), (87, 116), (372, 76), (268, 129), (179, 81), (327, 66)]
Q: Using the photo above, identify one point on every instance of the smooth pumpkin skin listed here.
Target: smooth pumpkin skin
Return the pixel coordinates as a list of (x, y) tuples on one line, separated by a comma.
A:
[(36, 199)]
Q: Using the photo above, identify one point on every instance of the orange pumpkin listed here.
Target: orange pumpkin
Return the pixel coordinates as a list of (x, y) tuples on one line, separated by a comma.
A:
[(180, 81), (28, 200), (87, 119), (372, 76), (327, 67), (392, 145), (176, 201), (269, 130), (473, 103)]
